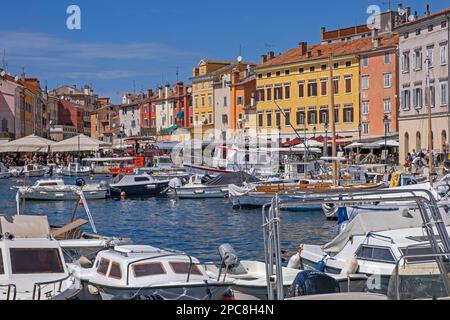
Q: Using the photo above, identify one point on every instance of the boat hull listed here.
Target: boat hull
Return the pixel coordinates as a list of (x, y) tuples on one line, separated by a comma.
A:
[(65, 195), (144, 190), (200, 192), (34, 173), (192, 291), (68, 173), (258, 201)]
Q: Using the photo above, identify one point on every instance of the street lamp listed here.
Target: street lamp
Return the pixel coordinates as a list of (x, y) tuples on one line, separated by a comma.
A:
[(386, 124), (326, 139), (314, 132)]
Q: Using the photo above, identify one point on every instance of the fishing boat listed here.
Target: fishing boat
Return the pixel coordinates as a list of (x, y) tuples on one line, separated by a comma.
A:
[(32, 263), (145, 272), (137, 185), (33, 170), (75, 169), (57, 190), (201, 187), (4, 172)]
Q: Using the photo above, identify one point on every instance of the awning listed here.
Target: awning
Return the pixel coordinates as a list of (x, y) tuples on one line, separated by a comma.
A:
[(180, 115), (31, 143), (171, 129), (389, 143)]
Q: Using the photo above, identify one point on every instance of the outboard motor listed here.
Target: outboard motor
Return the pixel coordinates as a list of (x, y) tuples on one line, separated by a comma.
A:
[(80, 182), (228, 256), (310, 282)]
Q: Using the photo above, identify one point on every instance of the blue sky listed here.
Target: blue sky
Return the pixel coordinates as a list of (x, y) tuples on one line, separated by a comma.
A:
[(146, 40)]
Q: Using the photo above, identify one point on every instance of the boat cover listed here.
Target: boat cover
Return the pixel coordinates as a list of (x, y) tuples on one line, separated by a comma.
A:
[(236, 178), (376, 221), (25, 227)]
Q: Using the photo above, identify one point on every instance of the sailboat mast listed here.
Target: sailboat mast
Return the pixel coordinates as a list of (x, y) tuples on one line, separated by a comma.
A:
[(430, 130), (332, 119)]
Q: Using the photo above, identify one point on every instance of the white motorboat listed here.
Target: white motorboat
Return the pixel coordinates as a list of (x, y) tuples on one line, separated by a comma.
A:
[(57, 190), (32, 264), (331, 210), (4, 172), (135, 272), (33, 170), (202, 187), (372, 242), (76, 170), (137, 185)]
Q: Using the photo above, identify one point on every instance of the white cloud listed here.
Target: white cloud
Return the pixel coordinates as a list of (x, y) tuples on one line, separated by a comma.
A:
[(30, 45)]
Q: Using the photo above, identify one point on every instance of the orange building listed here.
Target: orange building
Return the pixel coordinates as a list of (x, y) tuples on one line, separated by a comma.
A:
[(379, 69), (243, 91)]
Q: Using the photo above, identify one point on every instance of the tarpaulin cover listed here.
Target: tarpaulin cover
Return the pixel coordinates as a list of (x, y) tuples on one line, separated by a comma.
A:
[(237, 178)]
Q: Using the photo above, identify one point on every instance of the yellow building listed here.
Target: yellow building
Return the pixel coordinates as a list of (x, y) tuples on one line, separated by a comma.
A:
[(298, 82)]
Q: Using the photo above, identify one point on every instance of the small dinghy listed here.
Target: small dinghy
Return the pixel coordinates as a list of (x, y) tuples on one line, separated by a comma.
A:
[(145, 272), (32, 170), (76, 170)]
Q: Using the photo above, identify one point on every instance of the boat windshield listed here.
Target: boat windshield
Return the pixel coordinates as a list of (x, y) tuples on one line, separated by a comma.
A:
[(116, 179), (44, 260)]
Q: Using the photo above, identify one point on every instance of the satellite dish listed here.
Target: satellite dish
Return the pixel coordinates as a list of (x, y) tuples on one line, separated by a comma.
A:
[(189, 90), (411, 18), (239, 59), (16, 78), (3, 73)]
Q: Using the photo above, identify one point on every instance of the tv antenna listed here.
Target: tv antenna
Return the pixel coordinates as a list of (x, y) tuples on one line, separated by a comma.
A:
[(389, 4)]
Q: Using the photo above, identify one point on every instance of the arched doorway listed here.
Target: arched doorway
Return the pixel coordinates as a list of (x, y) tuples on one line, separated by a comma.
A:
[(407, 144), (418, 142)]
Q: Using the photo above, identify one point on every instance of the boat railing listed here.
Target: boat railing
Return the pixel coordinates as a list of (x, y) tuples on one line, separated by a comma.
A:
[(440, 259), (423, 199), (38, 286), (9, 288), (191, 263)]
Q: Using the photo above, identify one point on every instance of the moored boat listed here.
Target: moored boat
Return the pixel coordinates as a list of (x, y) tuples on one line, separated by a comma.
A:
[(76, 170), (57, 190), (145, 272), (32, 263), (137, 185)]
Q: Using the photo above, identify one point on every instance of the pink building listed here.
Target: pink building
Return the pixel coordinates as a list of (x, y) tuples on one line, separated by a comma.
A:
[(8, 106)]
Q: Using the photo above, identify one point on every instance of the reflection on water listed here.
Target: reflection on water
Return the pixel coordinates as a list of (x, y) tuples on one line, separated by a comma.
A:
[(197, 227)]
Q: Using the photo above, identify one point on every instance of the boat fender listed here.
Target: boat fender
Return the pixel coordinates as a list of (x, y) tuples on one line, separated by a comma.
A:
[(294, 261), (93, 290), (351, 266)]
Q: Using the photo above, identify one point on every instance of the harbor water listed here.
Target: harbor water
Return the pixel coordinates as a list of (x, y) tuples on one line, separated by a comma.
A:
[(196, 227)]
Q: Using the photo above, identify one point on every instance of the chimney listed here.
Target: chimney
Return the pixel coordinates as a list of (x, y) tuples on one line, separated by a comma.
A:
[(270, 55), (322, 33), (375, 33), (427, 10), (407, 13), (235, 76), (303, 47), (263, 59), (150, 93), (160, 93), (319, 52)]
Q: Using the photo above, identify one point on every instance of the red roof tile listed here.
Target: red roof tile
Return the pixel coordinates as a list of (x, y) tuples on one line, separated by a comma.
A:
[(337, 49)]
